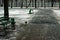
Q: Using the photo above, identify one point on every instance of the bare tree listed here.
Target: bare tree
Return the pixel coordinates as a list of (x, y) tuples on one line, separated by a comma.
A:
[(44, 3), (26, 3), (35, 3), (16, 2), (21, 3), (48, 3), (11, 3), (41, 3), (59, 3), (52, 3)]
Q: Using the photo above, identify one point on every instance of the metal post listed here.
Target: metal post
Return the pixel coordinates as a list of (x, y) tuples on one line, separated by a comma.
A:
[(6, 13)]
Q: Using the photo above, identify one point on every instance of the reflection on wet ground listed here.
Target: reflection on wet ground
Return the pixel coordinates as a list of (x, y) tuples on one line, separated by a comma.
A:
[(43, 26)]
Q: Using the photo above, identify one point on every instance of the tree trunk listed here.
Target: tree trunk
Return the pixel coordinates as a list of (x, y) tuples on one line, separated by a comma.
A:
[(11, 3), (26, 3), (52, 2), (35, 3), (21, 3), (16, 3), (29, 4), (59, 3), (48, 3), (44, 3), (41, 3), (6, 13)]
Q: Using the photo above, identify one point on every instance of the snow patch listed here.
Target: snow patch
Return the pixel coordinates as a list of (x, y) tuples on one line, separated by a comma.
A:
[(57, 12)]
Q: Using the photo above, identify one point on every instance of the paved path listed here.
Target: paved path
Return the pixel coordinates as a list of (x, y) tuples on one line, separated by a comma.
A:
[(43, 26)]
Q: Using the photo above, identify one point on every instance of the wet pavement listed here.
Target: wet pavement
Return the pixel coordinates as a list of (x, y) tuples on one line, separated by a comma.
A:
[(42, 26)]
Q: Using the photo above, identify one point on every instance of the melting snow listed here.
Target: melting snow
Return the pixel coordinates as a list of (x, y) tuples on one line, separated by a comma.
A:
[(57, 12)]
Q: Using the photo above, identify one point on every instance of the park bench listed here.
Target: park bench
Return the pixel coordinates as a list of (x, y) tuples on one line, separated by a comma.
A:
[(3, 24)]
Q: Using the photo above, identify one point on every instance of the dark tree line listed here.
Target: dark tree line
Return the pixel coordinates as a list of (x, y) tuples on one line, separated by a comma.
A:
[(35, 1)]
